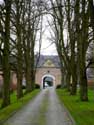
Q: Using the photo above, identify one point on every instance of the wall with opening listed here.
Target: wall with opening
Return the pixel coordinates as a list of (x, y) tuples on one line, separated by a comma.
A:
[(42, 72)]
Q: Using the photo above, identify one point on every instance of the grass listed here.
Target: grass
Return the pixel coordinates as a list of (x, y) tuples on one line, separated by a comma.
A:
[(16, 104), (82, 112)]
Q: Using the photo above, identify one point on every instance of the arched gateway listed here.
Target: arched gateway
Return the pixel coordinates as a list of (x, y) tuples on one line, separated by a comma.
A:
[(48, 71), (48, 81)]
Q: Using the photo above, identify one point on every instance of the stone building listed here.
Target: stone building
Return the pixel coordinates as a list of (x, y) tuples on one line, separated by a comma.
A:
[(90, 75), (48, 71)]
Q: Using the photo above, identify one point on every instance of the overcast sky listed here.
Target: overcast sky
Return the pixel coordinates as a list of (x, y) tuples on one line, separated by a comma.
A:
[(1, 1), (47, 48)]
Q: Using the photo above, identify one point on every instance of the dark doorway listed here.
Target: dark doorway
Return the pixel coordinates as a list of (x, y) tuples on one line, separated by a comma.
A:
[(47, 82)]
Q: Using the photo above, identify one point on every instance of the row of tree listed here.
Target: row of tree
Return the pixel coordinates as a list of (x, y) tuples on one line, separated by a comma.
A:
[(21, 20), (73, 31), (19, 24)]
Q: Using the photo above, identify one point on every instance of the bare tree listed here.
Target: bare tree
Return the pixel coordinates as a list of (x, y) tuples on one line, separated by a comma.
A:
[(6, 52)]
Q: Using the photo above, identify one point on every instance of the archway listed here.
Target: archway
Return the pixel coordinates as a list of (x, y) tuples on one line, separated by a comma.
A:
[(48, 81)]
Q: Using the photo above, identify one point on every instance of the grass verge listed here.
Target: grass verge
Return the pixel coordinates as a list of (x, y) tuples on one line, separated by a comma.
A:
[(82, 112), (5, 113)]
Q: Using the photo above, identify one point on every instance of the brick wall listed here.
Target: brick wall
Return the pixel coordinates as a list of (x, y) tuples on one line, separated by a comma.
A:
[(55, 72)]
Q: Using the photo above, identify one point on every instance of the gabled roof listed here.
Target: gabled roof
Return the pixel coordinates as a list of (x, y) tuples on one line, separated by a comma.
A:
[(44, 61), (53, 59)]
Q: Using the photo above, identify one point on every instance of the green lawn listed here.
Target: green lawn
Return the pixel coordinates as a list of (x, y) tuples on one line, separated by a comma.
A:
[(16, 104), (82, 112)]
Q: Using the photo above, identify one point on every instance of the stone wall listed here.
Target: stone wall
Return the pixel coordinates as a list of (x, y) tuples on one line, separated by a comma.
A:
[(90, 77)]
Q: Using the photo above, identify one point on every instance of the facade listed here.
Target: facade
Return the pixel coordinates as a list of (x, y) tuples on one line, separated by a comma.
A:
[(90, 75), (48, 71)]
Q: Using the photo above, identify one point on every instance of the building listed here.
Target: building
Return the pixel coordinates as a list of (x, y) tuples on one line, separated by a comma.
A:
[(90, 75), (48, 71)]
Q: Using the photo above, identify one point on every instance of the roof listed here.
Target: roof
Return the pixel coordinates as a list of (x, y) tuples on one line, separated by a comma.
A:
[(53, 60)]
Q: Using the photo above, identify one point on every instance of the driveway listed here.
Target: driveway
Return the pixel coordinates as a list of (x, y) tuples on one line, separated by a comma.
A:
[(44, 109)]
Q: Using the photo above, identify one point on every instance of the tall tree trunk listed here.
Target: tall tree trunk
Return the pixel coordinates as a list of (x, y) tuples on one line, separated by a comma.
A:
[(32, 69), (72, 49), (19, 83), (19, 67), (28, 51), (82, 38), (62, 68), (83, 86), (74, 81), (6, 65), (28, 70), (19, 51), (83, 49), (62, 77), (68, 78)]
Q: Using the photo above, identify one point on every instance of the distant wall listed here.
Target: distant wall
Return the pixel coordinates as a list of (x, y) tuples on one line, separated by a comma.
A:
[(13, 83), (90, 77), (40, 72)]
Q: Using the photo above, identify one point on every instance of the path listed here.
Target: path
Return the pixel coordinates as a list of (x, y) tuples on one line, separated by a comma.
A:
[(45, 109)]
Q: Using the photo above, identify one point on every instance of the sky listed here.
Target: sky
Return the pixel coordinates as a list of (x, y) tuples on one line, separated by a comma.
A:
[(47, 47), (1, 1)]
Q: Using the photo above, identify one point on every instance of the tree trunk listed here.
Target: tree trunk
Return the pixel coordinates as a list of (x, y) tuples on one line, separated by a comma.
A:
[(19, 85), (32, 59), (83, 49), (32, 71), (28, 51), (19, 51), (68, 76), (83, 86), (73, 88), (6, 65), (74, 81), (72, 40), (28, 75), (62, 79), (19, 69)]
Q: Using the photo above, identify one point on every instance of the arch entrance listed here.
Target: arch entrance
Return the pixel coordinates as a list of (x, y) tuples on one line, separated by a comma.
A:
[(48, 81)]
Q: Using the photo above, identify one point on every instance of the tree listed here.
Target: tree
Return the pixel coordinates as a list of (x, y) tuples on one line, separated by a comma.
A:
[(18, 5), (74, 16), (66, 51), (33, 26), (6, 52)]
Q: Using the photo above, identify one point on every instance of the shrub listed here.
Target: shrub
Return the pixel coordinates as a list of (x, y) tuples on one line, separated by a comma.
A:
[(37, 86), (58, 86), (23, 87)]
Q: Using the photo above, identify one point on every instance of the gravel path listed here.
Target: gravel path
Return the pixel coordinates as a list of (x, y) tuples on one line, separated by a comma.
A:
[(57, 114), (45, 109)]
